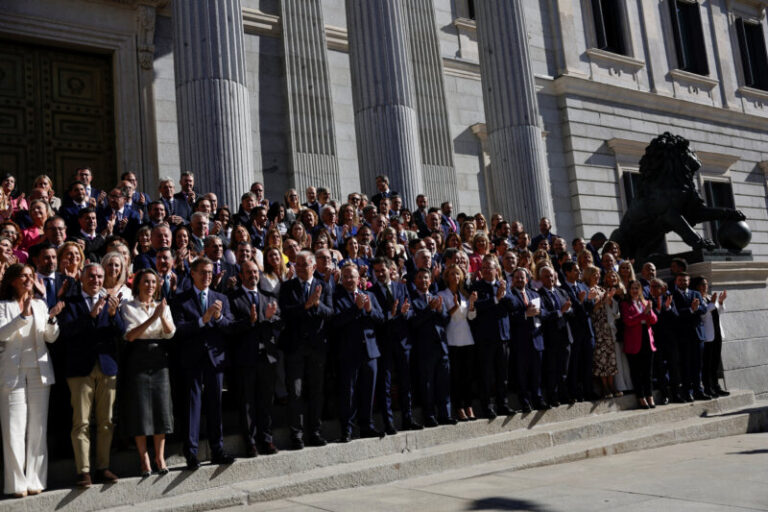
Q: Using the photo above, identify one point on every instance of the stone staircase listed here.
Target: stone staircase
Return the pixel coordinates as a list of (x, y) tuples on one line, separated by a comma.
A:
[(568, 433)]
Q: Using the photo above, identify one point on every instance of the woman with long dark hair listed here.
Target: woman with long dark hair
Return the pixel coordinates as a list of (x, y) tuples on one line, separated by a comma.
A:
[(26, 376)]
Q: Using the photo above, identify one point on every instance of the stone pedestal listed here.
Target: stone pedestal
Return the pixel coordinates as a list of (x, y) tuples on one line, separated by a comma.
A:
[(520, 178), (386, 122), (214, 115)]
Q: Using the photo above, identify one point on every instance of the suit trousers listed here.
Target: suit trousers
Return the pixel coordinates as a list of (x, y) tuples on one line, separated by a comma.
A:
[(494, 367), (356, 380), (580, 383), (556, 360), (711, 364), (641, 367), (257, 389), (305, 369), (24, 415), (434, 370), (528, 371), (94, 391), (666, 367), (462, 375), (395, 360), (690, 364), (204, 384)]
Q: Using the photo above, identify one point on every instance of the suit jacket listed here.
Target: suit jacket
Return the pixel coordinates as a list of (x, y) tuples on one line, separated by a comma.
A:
[(335, 232), (524, 330), (491, 325), (89, 340), (196, 343), (145, 260), (580, 321), (253, 343), (94, 247), (258, 236), (129, 232), (427, 327), (229, 270), (68, 212), (554, 324), (376, 199), (177, 207), (304, 327), (314, 206), (43, 332), (355, 328), (59, 280), (538, 238), (183, 282), (688, 321), (420, 218), (664, 330), (241, 218), (633, 327), (394, 331)]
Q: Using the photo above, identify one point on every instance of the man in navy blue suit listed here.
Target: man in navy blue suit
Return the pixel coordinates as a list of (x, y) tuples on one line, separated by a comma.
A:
[(126, 220), (257, 326), (545, 233), (394, 345), (527, 341), (555, 312), (177, 211), (84, 175), (90, 326), (580, 379), (328, 224), (306, 307), (690, 309), (159, 237), (666, 363), (203, 318), (76, 200), (427, 324), (357, 315), (223, 271), (490, 329)]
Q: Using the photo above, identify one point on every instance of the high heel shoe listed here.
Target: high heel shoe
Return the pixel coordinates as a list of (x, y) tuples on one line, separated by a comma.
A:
[(162, 469), (471, 414), (651, 403), (643, 404)]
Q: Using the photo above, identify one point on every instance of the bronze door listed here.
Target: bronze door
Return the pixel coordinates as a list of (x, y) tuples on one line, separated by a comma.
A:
[(56, 114)]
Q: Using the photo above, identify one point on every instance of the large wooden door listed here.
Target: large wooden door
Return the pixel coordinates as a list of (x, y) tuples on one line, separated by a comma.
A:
[(56, 114)]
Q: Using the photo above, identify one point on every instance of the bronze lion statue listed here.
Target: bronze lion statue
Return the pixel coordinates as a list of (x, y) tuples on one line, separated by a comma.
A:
[(667, 201)]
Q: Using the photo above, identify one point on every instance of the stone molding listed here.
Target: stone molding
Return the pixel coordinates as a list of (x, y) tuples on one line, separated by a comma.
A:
[(626, 150), (732, 273), (261, 23)]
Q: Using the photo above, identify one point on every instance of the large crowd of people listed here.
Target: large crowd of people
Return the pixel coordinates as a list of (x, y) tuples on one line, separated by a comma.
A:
[(125, 311)]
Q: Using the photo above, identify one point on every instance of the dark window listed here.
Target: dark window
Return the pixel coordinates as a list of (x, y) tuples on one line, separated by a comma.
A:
[(753, 55), (719, 195), (689, 37), (631, 186), (609, 25), (471, 9)]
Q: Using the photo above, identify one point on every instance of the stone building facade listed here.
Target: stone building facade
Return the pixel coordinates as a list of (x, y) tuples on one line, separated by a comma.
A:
[(528, 107)]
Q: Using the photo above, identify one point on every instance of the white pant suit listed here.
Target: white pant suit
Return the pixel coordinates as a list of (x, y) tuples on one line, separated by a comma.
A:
[(26, 375)]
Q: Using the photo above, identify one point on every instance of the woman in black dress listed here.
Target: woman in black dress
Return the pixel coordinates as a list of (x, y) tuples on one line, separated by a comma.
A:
[(147, 391)]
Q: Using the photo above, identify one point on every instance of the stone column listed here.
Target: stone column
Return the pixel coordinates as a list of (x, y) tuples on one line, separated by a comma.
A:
[(214, 115), (434, 131), (386, 122), (312, 138), (520, 181)]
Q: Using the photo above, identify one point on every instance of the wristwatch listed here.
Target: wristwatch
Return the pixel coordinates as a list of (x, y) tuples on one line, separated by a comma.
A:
[(52, 320)]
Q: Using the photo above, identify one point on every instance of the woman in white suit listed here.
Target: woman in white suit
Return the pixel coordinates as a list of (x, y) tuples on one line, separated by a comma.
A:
[(26, 375)]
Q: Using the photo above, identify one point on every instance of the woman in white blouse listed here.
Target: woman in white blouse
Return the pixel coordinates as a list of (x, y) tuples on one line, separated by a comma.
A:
[(115, 276), (147, 408), (26, 375), (712, 336), (461, 346)]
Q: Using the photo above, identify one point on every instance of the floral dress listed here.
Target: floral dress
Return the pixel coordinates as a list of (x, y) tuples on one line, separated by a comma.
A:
[(604, 317)]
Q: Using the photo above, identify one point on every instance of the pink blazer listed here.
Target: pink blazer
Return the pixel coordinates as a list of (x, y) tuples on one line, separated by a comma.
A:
[(633, 328)]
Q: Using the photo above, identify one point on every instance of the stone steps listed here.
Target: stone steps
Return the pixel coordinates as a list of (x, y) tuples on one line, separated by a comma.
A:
[(563, 434)]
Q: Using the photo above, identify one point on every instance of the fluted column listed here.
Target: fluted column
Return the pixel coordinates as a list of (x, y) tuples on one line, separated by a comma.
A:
[(312, 137), (386, 123), (520, 178), (431, 108), (212, 96)]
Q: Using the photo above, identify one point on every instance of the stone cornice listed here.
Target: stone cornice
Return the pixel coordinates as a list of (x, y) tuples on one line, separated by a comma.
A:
[(615, 59), (704, 82), (732, 273), (465, 24), (632, 150), (336, 38), (261, 23)]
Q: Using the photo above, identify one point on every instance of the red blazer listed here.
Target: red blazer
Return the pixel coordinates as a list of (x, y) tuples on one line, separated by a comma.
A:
[(633, 328)]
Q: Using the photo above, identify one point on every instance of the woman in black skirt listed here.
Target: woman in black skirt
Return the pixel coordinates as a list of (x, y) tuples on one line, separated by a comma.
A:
[(146, 386)]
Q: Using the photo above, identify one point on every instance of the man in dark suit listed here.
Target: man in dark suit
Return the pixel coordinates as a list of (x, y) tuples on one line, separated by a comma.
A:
[(159, 237), (490, 329), (76, 200), (203, 319), (243, 215), (91, 325), (187, 185), (580, 379), (155, 214), (256, 328), (690, 309), (545, 233), (222, 269), (126, 220), (357, 315), (527, 342), (666, 360), (446, 217), (171, 282), (258, 227), (595, 244), (85, 176), (140, 200), (420, 213), (382, 185), (427, 324), (556, 310), (328, 224), (394, 345), (312, 203), (93, 241), (306, 308), (177, 211)]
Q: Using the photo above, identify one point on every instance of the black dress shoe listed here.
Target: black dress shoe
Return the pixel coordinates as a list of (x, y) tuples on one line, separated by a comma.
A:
[(222, 458), (345, 437), (722, 392), (541, 405), (317, 440), (412, 425), (663, 400), (370, 433), (555, 403), (700, 395), (448, 421), (525, 406), (268, 448), (688, 397), (431, 422), (677, 399), (250, 451), (192, 463), (297, 443), (490, 413), (390, 429), (504, 410)]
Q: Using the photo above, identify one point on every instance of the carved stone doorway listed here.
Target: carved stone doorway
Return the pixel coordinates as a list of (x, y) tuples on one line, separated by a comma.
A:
[(56, 114)]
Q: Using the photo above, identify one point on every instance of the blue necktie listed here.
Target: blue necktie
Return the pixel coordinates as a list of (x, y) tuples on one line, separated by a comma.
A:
[(554, 299), (254, 298), (50, 292), (204, 300), (167, 285)]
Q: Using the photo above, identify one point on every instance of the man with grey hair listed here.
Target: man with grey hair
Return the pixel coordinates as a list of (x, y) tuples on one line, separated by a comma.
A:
[(198, 230), (90, 325), (223, 271), (178, 211), (307, 308)]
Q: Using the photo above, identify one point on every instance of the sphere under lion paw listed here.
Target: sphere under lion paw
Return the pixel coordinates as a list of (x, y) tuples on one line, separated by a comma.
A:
[(734, 236)]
